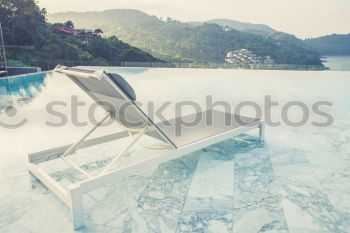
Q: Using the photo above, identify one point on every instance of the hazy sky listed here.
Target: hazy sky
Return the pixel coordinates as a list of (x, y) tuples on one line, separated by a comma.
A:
[(304, 18)]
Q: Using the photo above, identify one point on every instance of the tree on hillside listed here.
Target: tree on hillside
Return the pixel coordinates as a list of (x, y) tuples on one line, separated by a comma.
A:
[(57, 25), (69, 24), (98, 31), (22, 22)]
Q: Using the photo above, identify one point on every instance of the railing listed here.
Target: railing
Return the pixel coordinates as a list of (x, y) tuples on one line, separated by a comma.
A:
[(49, 65)]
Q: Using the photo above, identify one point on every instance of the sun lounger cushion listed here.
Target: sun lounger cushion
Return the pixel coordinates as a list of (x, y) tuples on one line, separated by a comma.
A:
[(123, 85)]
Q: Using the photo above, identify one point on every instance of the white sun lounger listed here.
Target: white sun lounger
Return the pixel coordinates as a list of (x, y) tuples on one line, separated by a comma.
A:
[(178, 139)]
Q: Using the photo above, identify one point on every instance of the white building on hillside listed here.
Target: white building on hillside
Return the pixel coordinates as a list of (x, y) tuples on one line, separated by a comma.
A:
[(245, 56)]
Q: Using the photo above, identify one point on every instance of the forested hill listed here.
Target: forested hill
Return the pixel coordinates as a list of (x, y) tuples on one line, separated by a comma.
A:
[(176, 41), (335, 44), (24, 24), (259, 29)]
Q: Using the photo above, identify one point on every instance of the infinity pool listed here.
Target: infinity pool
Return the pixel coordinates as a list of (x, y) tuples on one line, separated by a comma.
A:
[(298, 182)]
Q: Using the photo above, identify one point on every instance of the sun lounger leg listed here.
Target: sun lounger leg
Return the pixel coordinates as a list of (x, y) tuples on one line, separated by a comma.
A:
[(77, 208), (134, 141), (72, 148)]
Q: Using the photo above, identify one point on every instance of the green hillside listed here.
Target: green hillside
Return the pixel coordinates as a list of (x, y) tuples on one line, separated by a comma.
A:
[(259, 29), (335, 44), (30, 40), (176, 41)]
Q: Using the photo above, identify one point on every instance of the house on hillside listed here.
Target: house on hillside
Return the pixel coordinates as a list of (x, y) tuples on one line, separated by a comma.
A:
[(66, 31), (245, 56), (81, 34)]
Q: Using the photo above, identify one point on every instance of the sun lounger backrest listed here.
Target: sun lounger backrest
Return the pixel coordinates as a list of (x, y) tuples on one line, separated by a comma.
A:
[(111, 92), (114, 94)]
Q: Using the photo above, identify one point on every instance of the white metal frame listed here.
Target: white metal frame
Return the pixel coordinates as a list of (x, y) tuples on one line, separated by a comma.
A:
[(2, 50), (72, 195)]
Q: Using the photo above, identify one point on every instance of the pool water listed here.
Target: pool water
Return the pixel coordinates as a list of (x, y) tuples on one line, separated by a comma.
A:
[(299, 181), (20, 89)]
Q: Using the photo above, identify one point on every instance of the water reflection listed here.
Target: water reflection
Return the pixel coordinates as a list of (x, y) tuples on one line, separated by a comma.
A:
[(20, 90)]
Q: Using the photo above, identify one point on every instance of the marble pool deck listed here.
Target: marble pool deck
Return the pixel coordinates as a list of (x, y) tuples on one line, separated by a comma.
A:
[(297, 182), (233, 186)]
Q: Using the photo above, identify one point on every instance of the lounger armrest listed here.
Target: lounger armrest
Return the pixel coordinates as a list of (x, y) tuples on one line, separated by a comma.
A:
[(79, 72)]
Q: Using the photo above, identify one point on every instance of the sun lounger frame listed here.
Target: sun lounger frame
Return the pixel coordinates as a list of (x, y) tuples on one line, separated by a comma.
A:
[(72, 195)]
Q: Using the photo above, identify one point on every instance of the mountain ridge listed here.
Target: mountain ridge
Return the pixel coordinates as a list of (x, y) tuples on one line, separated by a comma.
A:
[(237, 25), (334, 44), (177, 41)]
